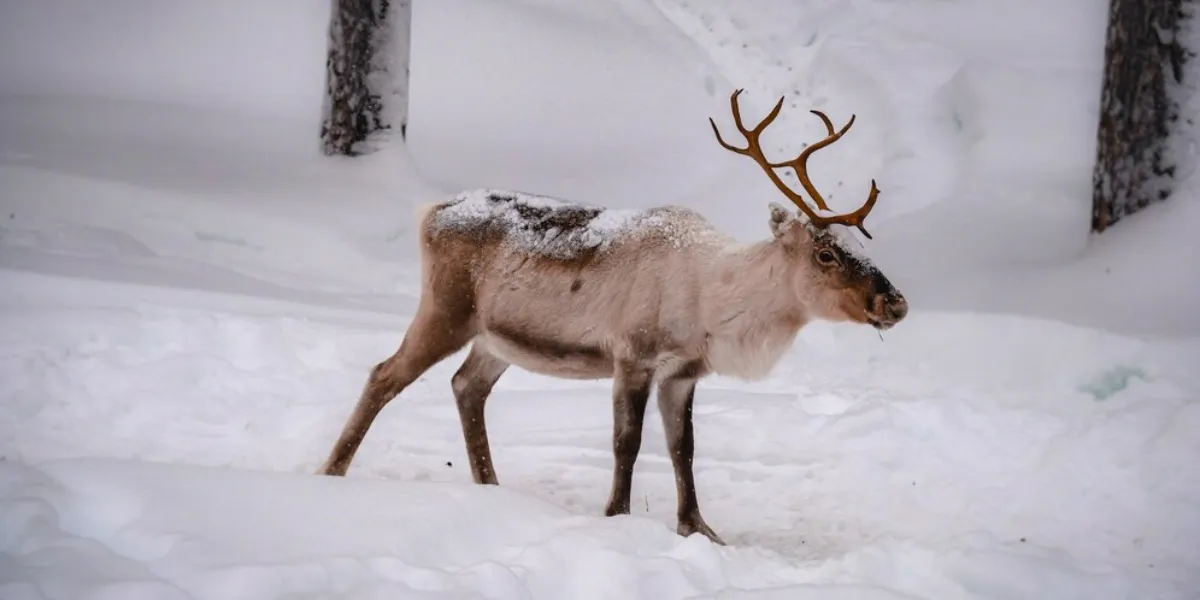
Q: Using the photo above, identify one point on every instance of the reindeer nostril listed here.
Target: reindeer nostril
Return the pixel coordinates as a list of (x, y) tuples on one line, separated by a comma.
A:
[(878, 304), (898, 307)]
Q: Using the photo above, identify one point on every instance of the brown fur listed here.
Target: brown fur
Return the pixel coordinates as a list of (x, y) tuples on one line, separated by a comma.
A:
[(641, 297), (667, 300)]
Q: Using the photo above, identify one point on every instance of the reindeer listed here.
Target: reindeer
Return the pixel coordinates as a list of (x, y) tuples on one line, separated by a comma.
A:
[(649, 298)]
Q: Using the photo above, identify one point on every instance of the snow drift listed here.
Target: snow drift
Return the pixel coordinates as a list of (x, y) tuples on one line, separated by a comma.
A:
[(191, 297)]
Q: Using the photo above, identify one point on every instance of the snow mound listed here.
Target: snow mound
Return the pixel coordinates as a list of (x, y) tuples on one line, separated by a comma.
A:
[(94, 528), (919, 465)]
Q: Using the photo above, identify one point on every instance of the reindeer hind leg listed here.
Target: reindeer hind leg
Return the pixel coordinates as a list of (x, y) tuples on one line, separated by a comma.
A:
[(435, 333), (472, 385)]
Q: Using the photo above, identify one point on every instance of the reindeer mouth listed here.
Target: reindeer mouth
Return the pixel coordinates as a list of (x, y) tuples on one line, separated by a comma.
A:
[(881, 324), (885, 313)]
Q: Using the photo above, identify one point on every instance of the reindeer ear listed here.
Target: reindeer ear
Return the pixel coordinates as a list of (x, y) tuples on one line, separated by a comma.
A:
[(786, 226), (782, 220)]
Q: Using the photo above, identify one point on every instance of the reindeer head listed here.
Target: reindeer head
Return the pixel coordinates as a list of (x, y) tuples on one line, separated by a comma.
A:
[(832, 279)]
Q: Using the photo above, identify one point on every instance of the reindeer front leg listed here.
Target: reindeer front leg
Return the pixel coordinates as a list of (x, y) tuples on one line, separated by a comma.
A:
[(631, 390), (675, 396)]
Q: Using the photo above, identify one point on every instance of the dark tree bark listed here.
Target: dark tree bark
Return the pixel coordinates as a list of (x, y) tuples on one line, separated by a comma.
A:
[(1144, 56), (366, 73)]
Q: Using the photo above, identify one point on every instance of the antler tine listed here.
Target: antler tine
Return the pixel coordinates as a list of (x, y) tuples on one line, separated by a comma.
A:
[(751, 135), (800, 163), (856, 218), (754, 150)]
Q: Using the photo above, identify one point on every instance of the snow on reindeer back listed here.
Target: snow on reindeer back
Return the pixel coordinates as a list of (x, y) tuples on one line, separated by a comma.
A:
[(539, 224)]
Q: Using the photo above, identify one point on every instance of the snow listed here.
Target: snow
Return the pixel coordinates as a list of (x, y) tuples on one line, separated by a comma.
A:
[(191, 298), (537, 224), (557, 228)]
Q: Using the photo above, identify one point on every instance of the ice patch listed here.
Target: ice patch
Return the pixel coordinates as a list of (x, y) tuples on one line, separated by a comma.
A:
[(1112, 381)]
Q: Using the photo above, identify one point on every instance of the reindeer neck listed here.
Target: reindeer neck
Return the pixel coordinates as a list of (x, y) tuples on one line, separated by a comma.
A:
[(749, 310)]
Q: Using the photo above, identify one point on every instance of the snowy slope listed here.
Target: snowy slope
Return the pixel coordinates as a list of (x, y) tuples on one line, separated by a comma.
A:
[(190, 298), (923, 465), (978, 119)]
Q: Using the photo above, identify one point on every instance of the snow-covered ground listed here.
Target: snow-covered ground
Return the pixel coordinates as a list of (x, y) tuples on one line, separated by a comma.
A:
[(191, 297)]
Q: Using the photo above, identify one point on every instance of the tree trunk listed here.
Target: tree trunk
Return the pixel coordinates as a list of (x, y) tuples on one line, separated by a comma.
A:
[(1144, 56), (366, 73)]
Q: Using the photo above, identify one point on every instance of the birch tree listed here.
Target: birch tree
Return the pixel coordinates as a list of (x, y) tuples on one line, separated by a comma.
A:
[(1144, 57), (366, 74)]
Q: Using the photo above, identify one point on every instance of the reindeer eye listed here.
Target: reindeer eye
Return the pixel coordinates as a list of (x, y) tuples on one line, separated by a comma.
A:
[(827, 257)]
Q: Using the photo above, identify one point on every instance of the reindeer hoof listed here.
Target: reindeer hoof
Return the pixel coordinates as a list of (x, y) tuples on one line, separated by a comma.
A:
[(334, 468), (688, 527)]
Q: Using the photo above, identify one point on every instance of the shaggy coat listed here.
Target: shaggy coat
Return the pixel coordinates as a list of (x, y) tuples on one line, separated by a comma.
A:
[(650, 298)]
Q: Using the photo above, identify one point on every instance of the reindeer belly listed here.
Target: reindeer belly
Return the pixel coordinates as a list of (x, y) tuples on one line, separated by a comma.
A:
[(548, 356)]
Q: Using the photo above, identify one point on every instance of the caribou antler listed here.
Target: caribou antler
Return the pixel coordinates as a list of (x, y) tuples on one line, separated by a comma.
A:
[(799, 164)]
